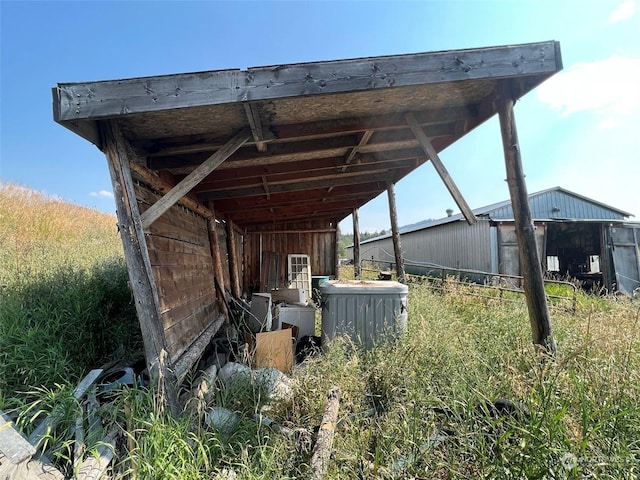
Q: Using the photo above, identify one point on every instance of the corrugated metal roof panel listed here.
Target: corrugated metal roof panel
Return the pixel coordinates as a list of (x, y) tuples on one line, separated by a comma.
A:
[(560, 204), (569, 205)]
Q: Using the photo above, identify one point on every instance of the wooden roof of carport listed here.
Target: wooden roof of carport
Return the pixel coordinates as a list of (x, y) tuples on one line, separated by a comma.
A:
[(310, 141), (307, 140)]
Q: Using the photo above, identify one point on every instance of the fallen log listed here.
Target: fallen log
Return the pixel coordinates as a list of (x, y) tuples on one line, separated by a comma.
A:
[(326, 432)]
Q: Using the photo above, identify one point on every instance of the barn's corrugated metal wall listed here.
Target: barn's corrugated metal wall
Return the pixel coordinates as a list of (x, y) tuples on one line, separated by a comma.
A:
[(557, 204), (454, 245)]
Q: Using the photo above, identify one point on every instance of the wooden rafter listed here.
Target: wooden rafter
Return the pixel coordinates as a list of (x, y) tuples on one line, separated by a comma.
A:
[(364, 139), (308, 173), (346, 179), (253, 117), (265, 185), (435, 119)]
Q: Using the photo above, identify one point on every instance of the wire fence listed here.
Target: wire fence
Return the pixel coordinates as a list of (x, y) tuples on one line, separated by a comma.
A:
[(560, 294)]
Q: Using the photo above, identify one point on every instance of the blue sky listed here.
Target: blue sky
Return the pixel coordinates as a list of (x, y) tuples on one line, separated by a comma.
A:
[(579, 130)]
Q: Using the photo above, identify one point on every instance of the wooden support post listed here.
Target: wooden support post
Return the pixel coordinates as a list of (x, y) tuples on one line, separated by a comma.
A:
[(138, 264), (234, 271), (221, 294), (356, 244), (525, 233), (322, 449), (418, 132), (395, 232), (336, 249)]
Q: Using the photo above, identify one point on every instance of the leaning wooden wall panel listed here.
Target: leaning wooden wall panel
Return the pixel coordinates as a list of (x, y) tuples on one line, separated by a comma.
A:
[(182, 265)]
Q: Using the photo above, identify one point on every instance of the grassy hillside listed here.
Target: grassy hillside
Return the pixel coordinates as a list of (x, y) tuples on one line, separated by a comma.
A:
[(64, 302), (41, 233)]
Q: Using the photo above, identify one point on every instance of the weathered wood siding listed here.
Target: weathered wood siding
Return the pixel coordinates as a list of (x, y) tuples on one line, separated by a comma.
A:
[(180, 254), (316, 239)]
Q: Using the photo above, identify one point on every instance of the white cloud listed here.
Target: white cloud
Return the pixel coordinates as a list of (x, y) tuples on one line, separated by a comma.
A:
[(102, 193), (624, 11), (609, 88)]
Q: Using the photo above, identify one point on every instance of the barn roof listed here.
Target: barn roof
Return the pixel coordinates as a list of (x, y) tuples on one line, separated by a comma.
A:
[(553, 204), (324, 137)]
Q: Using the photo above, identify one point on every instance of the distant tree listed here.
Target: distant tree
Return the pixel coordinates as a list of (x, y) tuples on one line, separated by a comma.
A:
[(346, 240)]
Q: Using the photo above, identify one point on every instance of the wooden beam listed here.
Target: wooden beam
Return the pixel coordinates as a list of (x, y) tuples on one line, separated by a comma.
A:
[(154, 181), (525, 233), (336, 252), (440, 168), (346, 192), (356, 244), (234, 269), (344, 179), (253, 117), (395, 232), (221, 295), (265, 185), (323, 163), (436, 122), (282, 232), (322, 449), (195, 350), (195, 177), (95, 465), (12, 444), (366, 136), (117, 98), (313, 209), (138, 264), (310, 173), (297, 151)]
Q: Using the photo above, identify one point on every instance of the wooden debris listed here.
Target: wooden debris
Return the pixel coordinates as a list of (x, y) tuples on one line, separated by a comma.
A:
[(94, 466), (19, 459), (12, 445), (50, 422), (301, 436), (322, 448)]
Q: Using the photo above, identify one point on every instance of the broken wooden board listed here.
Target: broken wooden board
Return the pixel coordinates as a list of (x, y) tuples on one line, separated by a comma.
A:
[(95, 465), (18, 458), (50, 422), (13, 446)]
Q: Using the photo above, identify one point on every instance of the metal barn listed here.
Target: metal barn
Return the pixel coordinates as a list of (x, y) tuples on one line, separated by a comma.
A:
[(576, 237)]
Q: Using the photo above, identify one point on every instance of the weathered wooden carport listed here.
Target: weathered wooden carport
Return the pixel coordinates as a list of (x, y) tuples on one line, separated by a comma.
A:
[(212, 170)]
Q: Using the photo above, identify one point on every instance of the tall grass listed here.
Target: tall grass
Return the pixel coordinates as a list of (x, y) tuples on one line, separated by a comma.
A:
[(577, 416), (64, 302), (419, 407)]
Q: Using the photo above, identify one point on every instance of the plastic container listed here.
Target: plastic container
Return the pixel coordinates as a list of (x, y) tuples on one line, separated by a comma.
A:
[(368, 312), (316, 281), (303, 317)]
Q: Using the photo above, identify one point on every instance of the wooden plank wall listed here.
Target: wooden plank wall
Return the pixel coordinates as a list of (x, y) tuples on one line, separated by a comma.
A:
[(315, 238), (180, 254)]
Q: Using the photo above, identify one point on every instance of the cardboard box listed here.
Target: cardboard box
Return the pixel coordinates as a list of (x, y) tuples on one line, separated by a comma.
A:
[(273, 349)]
